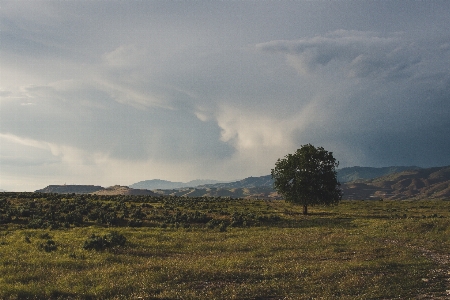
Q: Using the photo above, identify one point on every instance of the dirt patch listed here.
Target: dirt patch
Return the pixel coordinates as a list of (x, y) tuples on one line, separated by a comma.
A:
[(437, 276)]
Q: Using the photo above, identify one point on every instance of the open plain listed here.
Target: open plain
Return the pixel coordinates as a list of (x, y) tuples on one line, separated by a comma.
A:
[(69, 246)]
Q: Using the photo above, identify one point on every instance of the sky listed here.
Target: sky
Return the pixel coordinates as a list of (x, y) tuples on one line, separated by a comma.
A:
[(116, 92)]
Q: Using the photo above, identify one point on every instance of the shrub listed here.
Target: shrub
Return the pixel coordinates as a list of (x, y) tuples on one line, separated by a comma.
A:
[(95, 242), (135, 223), (35, 223), (116, 239), (5, 218), (110, 240), (212, 223), (48, 246), (223, 227), (45, 235)]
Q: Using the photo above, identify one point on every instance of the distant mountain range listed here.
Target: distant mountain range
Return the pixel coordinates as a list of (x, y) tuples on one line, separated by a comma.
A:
[(344, 175), (357, 183)]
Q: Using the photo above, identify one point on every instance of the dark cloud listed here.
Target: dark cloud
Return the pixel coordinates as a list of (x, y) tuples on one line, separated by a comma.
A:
[(379, 100), (204, 89)]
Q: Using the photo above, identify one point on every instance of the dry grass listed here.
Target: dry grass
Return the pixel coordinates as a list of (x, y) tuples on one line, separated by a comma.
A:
[(357, 250)]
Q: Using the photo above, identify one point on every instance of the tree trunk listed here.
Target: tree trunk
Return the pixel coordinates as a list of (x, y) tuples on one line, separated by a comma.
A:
[(305, 209)]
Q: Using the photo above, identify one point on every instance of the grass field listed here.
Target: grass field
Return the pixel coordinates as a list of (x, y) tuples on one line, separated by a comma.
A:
[(228, 249)]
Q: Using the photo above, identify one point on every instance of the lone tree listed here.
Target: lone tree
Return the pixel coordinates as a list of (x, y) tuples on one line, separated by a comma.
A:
[(308, 177)]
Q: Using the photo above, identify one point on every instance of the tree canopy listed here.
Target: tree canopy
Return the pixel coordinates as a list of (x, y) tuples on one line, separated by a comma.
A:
[(308, 177)]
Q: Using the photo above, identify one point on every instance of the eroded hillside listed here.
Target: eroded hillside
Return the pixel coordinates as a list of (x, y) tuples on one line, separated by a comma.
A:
[(419, 184)]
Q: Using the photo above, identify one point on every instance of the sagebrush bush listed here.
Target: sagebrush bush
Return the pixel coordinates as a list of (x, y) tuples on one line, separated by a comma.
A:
[(48, 246), (135, 223), (96, 242)]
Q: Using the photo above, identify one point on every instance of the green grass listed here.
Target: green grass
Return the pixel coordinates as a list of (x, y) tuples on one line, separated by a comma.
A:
[(357, 250)]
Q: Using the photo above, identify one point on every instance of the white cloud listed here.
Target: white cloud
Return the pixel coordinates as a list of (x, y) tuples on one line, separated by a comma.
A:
[(259, 138), (25, 141), (249, 131), (203, 114), (131, 95)]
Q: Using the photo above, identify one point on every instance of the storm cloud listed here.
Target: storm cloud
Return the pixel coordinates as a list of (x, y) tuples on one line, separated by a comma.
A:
[(115, 93)]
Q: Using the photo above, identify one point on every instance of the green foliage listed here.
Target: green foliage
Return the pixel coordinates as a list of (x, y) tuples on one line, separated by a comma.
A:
[(308, 177)]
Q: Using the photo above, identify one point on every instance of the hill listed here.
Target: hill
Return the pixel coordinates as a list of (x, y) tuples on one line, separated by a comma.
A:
[(164, 184), (69, 189), (94, 189), (355, 173), (249, 182), (261, 192), (344, 175), (394, 183), (419, 184), (123, 190)]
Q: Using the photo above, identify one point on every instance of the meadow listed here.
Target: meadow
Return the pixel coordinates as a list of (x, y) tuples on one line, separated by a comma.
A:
[(139, 247)]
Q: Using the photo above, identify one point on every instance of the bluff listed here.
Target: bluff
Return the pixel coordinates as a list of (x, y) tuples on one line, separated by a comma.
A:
[(69, 189), (123, 190)]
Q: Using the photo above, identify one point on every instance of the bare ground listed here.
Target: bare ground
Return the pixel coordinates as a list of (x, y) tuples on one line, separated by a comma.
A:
[(438, 276)]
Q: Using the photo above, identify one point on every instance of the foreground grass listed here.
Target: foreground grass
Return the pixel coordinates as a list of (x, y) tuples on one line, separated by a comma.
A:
[(357, 250)]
